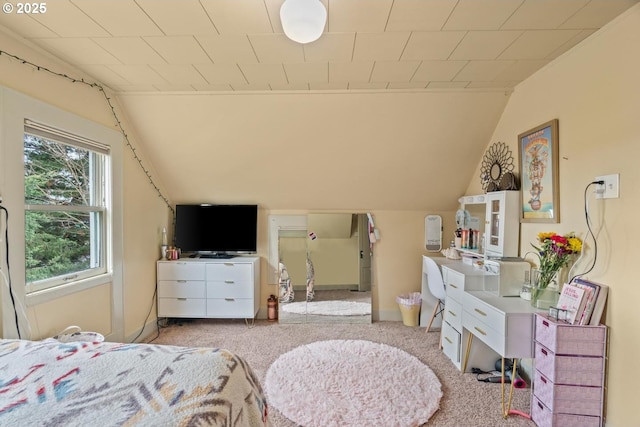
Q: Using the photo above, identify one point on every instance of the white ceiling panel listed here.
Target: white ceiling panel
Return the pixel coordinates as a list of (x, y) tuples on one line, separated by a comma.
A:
[(240, 45), (480, 14), (276, 48), (79, 51), (138, 74), (332, 47), (538, 44), (348, 16), (543, 14), (66, 20), (219, 74), (307, 72), (380, 46), (394, 71), (264, 73), (238, 17), (130, 50), (119, 17), (484, 71), (419, 15), (179, 74), (484, 44), (439, 71), (179, 49), (186, 17), (228, 48), (430, 45), (345, 72)]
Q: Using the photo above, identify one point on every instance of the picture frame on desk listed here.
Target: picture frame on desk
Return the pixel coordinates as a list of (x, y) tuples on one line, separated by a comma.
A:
[(538, 161)]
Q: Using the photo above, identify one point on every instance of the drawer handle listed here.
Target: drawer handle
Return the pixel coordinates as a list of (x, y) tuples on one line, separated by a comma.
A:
[(545, 323), (453, 286), (181, 299), (181, 263), (543, 351), (228, 264), (480, 312), (540, 405), (480, 330), (181, 281), (229, 281), (448, 340), (452, 313), (229, 299), (543, 379)]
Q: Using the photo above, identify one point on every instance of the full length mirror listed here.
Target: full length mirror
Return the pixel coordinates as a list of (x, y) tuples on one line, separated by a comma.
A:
[(325, 270)]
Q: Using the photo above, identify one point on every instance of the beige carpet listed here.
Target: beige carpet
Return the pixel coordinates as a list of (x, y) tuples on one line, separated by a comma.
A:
[(465, 401)]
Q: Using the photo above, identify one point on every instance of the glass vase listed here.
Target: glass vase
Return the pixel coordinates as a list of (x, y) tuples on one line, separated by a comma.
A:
[(543, 295)]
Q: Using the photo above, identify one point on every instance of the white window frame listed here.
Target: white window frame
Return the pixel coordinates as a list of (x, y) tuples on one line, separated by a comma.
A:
[(15, 108)]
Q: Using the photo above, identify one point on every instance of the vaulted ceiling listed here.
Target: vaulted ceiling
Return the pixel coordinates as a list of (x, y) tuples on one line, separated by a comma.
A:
[(239, 45), (391, 108)]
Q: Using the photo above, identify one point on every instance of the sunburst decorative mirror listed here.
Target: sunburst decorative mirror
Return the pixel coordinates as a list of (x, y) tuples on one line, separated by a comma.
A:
[(496, 172)]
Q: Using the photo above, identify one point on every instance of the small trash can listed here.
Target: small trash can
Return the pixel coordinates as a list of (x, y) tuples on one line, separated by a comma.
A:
[(410, 308)]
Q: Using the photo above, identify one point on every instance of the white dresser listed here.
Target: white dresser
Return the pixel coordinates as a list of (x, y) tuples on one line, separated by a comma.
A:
[(213, 288)]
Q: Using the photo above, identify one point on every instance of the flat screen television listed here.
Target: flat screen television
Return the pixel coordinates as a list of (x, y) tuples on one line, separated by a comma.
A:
[(216, 230)]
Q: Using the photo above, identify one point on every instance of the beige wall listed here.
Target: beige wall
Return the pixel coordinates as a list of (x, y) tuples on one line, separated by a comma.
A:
[(593, 91), (144, 212)]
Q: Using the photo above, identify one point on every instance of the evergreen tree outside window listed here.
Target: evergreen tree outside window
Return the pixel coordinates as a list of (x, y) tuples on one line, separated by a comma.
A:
[(65, 180)]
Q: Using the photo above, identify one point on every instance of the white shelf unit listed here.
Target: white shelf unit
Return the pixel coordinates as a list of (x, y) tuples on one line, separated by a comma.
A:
[(498, 211), (209, 288)]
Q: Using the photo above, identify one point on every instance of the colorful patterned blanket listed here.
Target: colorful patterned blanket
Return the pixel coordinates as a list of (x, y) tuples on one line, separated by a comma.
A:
[(48, 383)]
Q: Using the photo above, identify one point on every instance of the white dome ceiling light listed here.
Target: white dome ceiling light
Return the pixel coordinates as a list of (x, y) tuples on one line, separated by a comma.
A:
[(303, 20)]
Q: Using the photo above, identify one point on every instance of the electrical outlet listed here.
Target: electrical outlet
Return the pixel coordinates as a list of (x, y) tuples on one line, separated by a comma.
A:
[(611, 187)]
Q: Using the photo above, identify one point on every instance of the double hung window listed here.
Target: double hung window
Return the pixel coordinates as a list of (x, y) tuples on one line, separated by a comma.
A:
[(66, 188)]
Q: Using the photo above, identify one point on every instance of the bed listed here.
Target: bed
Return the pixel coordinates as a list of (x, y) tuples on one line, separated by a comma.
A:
[(50, 383)]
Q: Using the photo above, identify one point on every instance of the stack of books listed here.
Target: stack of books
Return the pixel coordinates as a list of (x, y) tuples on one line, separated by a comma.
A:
[(582, 301)]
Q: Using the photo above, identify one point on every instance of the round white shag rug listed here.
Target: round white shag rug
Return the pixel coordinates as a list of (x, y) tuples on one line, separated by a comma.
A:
[(329, 308), (341, 383)]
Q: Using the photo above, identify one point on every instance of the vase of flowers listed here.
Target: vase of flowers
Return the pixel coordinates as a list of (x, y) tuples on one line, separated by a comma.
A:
[(554, 253)]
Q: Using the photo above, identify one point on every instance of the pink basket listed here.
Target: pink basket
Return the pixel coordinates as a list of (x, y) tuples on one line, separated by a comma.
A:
[(568, 399), (569, 370), (562, 338), (544, 417)]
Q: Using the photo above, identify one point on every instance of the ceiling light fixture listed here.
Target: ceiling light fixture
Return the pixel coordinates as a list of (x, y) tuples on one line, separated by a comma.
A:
[(303, 20)]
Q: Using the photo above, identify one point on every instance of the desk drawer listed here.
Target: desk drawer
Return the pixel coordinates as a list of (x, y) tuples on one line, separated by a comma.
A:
[(179, 270), (454, 284), (453, 313), (181, 307), (483, 331), (230, 272), (450, 342), (485, 313)]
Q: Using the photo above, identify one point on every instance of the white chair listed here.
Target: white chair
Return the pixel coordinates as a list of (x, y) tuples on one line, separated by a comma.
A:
[(436, 287)]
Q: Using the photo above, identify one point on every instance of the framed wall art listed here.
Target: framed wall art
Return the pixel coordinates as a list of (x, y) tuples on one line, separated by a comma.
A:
[(538, 160)]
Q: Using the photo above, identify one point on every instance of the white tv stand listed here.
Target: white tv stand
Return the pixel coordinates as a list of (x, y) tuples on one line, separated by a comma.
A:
[(209, 287)]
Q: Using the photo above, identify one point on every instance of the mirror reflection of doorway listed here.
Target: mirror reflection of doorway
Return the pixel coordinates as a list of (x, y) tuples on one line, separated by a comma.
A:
[(336, 246)]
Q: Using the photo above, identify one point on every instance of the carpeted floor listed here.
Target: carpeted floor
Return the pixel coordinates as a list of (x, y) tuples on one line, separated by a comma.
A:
[(465, 402)]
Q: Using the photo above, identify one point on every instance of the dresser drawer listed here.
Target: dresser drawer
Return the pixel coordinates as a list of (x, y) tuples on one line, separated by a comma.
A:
[(453, 313), (181, 307), (450, 342), (455, 285), (544, 417), (230, 272), (178, 270), (485, 313), (569, 370), (230, 308), (181, 289), (230, 289), (567, 399), (570, 339)]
